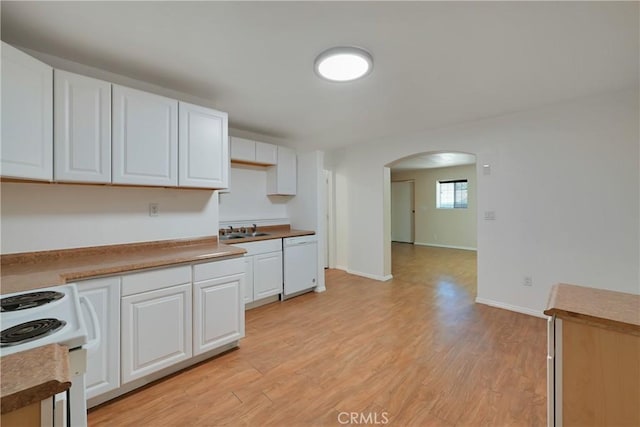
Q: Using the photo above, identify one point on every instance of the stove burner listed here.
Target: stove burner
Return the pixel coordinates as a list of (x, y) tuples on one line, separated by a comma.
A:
[(29, 331), (30, 300)]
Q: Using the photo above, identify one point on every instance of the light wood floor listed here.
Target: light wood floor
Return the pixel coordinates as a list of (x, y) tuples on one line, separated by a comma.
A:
[(415, 351)]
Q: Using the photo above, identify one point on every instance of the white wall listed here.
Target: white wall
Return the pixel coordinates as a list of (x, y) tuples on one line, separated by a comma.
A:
[(247, 198), (308, 208), (442, 227), (564, 186), (39, 217)]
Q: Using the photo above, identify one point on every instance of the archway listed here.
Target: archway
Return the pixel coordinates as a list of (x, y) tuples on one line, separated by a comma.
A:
[(444, 213)]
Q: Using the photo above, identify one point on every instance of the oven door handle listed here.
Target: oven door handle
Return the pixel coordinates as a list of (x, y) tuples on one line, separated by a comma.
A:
[(95, 342)]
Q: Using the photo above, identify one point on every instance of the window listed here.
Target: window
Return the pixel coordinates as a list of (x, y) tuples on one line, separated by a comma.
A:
[(451, 194)]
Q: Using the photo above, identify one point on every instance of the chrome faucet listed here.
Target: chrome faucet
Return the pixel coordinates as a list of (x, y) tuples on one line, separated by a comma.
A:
[(231, 229), (254, 228)]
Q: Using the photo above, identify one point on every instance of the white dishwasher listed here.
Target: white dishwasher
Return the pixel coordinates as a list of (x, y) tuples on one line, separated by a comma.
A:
[(300, 264)]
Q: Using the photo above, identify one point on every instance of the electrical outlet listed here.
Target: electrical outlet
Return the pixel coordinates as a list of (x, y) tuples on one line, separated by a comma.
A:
[(154, 209), (528, 281)]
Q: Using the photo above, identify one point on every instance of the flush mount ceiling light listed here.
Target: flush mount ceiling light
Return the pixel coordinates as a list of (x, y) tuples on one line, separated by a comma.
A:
[(343, 64)]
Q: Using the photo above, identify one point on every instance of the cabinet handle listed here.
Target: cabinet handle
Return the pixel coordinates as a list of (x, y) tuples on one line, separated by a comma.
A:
[(95, 342)]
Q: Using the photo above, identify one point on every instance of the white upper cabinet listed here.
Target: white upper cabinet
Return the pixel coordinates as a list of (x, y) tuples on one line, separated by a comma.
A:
[(145, 138), (253, 152), (27, 116), (203, 147), (266, 154), (82, 138), (281, 179), (242, 150)]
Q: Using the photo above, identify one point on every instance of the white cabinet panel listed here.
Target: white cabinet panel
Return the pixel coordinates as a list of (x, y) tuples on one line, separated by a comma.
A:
[(253, 152), (218, 307), (263, 268), (218, 312), (266, 154), (261, 246), (103, 350), (151, 280), (82, 139), (282, 178), (27, 116), (248, 280), (145, 138), (156, 330), (267, 273), (243, 150), (203, 147)]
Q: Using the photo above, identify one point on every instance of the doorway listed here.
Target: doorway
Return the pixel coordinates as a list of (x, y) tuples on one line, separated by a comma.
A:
[(433, 205), (402, 211)]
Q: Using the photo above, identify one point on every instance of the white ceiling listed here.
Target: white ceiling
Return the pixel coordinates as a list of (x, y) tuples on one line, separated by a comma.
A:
[(436, 63)]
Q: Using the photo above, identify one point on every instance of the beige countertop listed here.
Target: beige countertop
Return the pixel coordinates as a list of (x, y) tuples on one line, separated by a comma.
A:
[(33, 270), (33, 375), (610, 309)]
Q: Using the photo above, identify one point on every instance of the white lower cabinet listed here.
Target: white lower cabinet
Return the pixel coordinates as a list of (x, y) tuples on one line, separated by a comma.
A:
[(156, 324), (267, 273), (144, 322), (103, 347), (263, 269), (218, 309), (248, 280)]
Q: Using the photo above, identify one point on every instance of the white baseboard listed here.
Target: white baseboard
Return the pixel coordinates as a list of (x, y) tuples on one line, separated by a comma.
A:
[(466, 248), (517, 309), (370, 276), (367, 275), (319, 289)]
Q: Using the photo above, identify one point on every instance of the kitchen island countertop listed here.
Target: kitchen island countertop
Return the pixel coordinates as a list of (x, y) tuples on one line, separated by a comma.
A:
[(609, 309), (33, 375)]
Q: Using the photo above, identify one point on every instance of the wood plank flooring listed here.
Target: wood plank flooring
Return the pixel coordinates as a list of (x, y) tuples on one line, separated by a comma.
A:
[(413, 351)]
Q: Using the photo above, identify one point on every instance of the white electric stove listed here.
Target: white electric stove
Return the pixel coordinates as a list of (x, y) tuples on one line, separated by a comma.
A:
[(50, 316)]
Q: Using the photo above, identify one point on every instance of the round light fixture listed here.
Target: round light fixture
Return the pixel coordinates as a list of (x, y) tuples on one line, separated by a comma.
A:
[(343, 64)]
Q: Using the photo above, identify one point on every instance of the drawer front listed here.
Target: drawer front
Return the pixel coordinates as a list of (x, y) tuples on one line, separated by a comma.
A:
[(217, 269), (261, 247), (155, 279)]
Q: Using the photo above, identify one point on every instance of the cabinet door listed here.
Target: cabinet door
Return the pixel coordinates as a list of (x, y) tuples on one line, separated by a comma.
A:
[(243, 150), (203, 147), (218, 312), (267, 275), (103, 350), (27, 116), (248, 281), (156, 330), (266, 154), (82, 138), (145, 138), (281, 179)]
